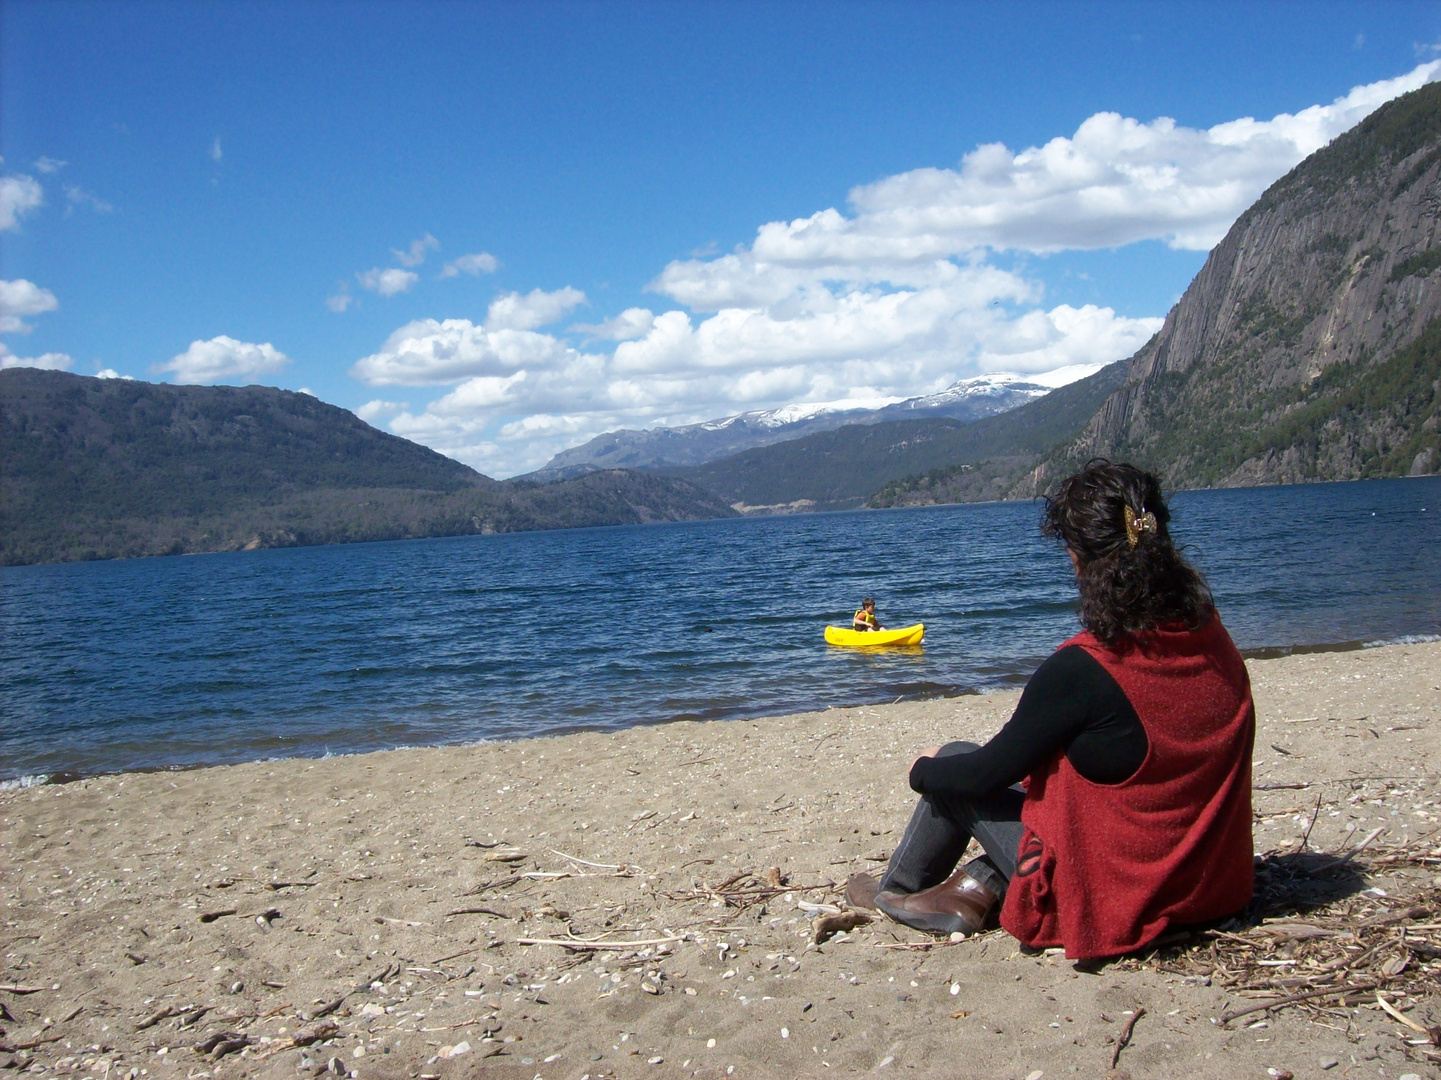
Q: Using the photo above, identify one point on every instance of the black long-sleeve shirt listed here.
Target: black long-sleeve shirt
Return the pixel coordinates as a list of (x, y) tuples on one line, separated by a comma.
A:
[(1071, 705)]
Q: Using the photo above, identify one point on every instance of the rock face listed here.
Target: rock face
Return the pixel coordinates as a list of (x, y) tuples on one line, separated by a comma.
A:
[(1308, 348)]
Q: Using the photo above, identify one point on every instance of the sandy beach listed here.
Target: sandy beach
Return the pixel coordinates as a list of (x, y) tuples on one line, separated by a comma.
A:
[(642, 904)]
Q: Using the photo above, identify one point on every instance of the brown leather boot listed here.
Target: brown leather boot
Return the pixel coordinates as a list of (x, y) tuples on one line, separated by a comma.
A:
[(959, 904), (861, 890)]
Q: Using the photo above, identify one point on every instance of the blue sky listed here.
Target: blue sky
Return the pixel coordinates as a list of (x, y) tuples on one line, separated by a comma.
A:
[(500, 229)]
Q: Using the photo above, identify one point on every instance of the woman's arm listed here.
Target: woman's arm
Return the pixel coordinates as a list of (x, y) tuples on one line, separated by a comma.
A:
[(1069, 704)]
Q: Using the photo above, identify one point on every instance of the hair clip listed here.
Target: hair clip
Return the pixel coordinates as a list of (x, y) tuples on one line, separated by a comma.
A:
[(1136, 524)]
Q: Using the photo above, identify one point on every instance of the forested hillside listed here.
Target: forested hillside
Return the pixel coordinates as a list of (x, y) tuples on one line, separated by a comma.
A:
[(93, 468)]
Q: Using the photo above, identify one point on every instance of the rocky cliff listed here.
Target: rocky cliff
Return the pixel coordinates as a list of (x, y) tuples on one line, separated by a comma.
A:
[(1309, 346)]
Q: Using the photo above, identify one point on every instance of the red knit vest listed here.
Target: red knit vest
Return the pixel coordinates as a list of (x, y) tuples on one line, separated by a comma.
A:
[(1105, 868)]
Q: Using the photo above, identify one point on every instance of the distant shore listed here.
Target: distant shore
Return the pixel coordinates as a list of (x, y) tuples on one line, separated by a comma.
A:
[(265, 891)]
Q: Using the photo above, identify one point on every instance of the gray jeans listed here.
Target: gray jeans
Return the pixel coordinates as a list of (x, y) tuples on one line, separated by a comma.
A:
[(940, 829)]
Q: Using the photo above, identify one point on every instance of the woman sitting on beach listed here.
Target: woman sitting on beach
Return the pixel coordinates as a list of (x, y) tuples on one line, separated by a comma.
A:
[(1135, 737)]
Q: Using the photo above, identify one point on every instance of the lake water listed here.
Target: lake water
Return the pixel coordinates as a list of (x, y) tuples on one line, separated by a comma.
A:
[(306, 651)]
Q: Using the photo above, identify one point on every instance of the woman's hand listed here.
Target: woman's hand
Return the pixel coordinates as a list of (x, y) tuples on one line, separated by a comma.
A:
[(930, 751)]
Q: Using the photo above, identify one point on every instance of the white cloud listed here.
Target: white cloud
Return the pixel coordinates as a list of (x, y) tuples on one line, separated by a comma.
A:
[(417, 252), (53, 361), (372, 411), (18, 196), (224, 358), (894, 298), (216, 153), (431, 353), (482, 262), (627, 326), (111, 373), (339, 301), (514, 311), (50, 165), (387, 281), (78, 196), (1054, 344), (523, 396), (20, 299), (894, 342), (1114, 182), (1064, 376)]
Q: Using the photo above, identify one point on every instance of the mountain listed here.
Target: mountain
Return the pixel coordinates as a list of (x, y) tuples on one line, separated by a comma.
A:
[(696, 444), (105, 468), (986, 395), (1308, 347), (841, 469)]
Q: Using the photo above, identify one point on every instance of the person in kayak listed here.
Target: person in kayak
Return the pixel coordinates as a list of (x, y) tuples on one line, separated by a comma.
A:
[(1134, 743), (866, 617)]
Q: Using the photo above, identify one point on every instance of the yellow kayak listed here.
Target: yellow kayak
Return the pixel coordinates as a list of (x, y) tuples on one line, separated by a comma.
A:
[(906, 635)]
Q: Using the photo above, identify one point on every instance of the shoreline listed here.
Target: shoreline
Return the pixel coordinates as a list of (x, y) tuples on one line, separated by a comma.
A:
[(62, 777), (740, 514), (435, 903)]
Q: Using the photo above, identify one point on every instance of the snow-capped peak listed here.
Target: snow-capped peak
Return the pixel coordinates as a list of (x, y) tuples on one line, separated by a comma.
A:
[(790, 414)]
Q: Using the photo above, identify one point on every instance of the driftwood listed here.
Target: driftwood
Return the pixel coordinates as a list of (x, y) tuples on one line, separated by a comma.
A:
[(498, 883), (262, 913), (827, 926), (364, 984), (477, 911), (505, 856), (221, 1043), (1433, 1032), (584, 862), (155, 1018), (326, 1029), (746, 889), (1124, 1039), (1313, 935), (9, 1048), (187, 1014), (1276, 1003), (326, 1009), (584, 945), (230, 1046)]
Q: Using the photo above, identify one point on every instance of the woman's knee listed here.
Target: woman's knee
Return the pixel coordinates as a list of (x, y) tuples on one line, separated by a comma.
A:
[(958, 748)]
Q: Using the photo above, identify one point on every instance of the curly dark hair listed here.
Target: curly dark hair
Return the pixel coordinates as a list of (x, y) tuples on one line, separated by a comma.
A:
[(1130, 580)]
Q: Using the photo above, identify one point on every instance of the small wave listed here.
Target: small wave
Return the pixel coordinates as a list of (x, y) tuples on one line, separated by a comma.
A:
[(32, 780), (1275, 652), (1402, 639)]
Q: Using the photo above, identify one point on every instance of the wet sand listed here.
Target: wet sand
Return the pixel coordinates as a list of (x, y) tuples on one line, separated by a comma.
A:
[(398, 894)]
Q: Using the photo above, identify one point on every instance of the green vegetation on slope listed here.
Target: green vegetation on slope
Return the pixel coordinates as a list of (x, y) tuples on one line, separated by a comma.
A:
[(1390, 411), (1356, 420), (1419, 265), (95, 469), (1390, 134)]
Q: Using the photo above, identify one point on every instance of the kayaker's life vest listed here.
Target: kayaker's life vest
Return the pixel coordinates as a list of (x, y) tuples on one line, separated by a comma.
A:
[(865, 618), (1104, 869)]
